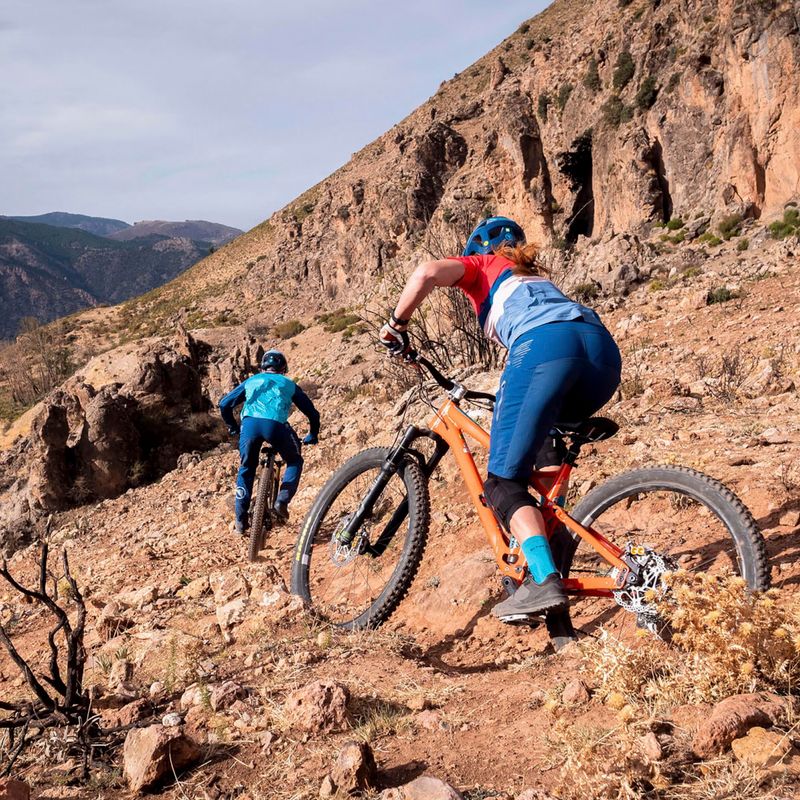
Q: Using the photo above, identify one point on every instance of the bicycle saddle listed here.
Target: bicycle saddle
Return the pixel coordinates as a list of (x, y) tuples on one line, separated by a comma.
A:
[(594, 429)]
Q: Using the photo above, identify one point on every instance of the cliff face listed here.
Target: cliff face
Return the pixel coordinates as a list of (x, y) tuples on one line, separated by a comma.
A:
[(590, 120)]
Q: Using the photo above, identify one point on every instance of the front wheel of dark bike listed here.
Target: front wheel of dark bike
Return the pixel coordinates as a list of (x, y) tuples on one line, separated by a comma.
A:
[(359, 585)]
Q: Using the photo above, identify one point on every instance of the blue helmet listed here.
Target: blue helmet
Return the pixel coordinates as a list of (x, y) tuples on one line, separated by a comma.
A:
[(491, 234), (274, 360)]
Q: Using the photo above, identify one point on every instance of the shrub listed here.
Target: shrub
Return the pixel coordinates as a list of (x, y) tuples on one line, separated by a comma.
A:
[(674, 80), (722, 294), (710, 239), (288, 329), (656, 285), (615, 112), (647, 93), (624, 3), (563, 95), (584, 292), (339, 320), (743, 244), (675, 224), (591, 80), (624, 70), (524, 28), (788, 226), (678, 238), (530, 43), (729, 226), (544, 102)]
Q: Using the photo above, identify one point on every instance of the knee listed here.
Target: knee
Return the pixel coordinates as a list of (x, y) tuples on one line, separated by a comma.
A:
[(505, 497)]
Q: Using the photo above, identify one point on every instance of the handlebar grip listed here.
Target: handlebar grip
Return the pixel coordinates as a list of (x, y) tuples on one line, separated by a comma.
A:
[(470, 395)]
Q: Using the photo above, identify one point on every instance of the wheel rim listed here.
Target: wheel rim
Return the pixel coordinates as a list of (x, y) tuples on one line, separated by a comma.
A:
[(344, 582), (674, 522)]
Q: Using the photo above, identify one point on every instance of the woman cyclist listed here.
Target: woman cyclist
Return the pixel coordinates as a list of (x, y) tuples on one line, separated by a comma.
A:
[(563, 365)]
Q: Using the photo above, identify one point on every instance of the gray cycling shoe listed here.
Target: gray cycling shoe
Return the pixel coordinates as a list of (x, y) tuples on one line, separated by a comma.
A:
[(532, 599), (240, 528), (281, 510)]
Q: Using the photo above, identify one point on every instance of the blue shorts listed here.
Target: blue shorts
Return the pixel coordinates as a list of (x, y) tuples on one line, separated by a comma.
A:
[(557, 373)]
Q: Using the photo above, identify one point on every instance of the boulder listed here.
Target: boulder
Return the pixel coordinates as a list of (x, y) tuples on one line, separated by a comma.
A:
[(354, 770), (423, 788), (226, 694), (733, 717), (575, 693), (318, 707), (765, 749), (127, 715), (150, 755)]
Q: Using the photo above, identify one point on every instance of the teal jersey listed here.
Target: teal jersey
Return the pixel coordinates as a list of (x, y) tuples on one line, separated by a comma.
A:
[(268, 396)]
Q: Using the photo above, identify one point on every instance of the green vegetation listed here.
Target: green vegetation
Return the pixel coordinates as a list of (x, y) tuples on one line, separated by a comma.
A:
[(788, 226), (710, 239), (530, 43), (563, 95), (584, 292), (675, 224), (341, 321), (730, 226), (656, 285), (544, 103), (301, 211), (624, 3), (615, 112), (647, 93), (624, 70), (524, 28), (288, 329), (591, 80), (743, 244), (722, 294)]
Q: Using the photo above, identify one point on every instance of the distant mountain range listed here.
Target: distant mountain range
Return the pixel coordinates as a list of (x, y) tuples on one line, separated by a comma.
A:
[(58, 263), (196, 229)]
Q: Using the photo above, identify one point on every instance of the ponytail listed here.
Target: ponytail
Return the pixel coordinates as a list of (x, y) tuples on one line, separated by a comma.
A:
[(525, 258)]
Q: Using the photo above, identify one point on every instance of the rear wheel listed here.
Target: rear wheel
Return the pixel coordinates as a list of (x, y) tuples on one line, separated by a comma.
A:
[(262, 511), (691, 519), (359, 585)]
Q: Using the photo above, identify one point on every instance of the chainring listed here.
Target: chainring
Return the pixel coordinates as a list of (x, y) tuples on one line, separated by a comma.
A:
[(653, 567)]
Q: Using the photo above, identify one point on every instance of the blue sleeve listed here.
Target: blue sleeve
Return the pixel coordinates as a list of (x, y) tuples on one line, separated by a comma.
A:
[(304, 404), (229, 402)]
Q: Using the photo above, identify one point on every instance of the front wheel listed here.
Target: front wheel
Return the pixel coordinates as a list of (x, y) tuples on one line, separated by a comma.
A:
[(687, 517), (359, 584)]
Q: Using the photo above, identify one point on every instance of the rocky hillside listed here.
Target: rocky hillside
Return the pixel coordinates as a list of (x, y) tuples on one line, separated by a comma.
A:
[(196, 229), (47, 271), (589, 122)]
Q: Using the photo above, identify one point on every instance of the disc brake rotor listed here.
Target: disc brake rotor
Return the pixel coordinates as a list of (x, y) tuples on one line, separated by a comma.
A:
[(343, 552), (641, 598)]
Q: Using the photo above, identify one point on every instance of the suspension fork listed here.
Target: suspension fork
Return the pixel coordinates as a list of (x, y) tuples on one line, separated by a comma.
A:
[(390, 467)]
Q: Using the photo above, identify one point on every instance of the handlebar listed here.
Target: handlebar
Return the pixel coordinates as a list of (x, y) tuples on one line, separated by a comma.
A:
[(446, 383)]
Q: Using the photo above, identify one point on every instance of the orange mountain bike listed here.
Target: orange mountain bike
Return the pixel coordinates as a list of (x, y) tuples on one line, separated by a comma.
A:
[(363, 538)]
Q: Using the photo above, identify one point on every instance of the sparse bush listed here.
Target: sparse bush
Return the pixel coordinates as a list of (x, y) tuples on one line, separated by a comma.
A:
[(624, 3), (788, 226), (657, 285), (721, 294), (647, 93), (710, 239), (730, 226), (591, 80), (624, 70), (729, 375), (615, 112), (543, 104), (530, 43), (524, 28), (288, 329), (676, 223), (585, 292), (743, 244), (673, 82), (563, 95), (338, 320)]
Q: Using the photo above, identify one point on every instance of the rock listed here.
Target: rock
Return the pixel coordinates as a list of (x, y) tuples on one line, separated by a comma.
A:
[(226, 694), (111, 621), (151, 754), (423, 788), (11, 789), (171, 720), (195, 589), (327, 788), (650, 746), (790, 518), (227, 586), (231, 613), (430, 720), (138, 597), (318, 707), (193, 696), (121, 672), (761, 748), (575, 693), (733, 717), (534, 794), (354, 770), (157, 690), (127, 715)]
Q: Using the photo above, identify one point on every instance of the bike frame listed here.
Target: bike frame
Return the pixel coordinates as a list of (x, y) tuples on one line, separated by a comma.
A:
[(450, 424)]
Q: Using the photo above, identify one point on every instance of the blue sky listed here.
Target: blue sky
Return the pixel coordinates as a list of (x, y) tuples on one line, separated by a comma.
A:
[(191, 109)]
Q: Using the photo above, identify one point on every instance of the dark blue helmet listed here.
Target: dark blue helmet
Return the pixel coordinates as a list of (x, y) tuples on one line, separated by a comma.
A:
[(274, 360), (491, 234)]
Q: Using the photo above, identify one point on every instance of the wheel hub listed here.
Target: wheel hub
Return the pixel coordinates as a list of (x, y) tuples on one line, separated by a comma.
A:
[(342, 548)]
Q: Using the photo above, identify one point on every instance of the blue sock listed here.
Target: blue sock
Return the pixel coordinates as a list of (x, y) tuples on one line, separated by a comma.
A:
[(540, 560)]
